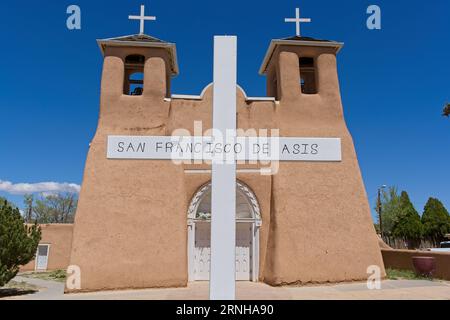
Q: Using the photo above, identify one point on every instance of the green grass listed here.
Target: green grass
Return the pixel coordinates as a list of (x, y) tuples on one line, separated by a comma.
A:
[(57, 275), (395, 274)]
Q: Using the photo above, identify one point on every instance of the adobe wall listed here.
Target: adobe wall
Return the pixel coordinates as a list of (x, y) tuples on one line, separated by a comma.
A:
[(321, 226), (59, 236), (130, 226), (402, 259), (131, 223)]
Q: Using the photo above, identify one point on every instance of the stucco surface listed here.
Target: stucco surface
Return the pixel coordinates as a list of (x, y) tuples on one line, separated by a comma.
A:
[(59, 236), (321, 228), (131, 224)]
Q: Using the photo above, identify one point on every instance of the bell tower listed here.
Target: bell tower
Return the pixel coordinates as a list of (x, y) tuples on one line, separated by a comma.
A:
[(137, 70), (114, 236), (303, 69), (321, 227), (134, 213)]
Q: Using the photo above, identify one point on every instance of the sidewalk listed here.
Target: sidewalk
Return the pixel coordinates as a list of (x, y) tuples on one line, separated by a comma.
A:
[(390, 289)]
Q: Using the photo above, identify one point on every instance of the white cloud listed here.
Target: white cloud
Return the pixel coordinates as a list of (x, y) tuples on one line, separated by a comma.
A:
[(48, 187)]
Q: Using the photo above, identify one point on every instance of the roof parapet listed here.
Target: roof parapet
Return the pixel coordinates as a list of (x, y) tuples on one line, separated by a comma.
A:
[(142, 40), (296, 41)]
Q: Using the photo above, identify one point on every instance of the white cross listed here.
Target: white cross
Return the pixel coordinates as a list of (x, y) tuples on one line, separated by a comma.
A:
[(223, 191), (297, 21), (142, 18)]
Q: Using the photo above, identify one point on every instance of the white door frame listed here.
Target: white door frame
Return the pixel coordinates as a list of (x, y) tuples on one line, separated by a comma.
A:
[(191, 248), (256, 224), (254, 249), (37, 254)]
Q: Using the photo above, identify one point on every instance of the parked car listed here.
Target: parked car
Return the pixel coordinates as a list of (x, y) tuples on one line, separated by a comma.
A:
[(444, 247), (445, 244)]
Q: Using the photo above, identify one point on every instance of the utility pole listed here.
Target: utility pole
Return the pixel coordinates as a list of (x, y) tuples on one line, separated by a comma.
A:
[(380, 222), (379, 212)]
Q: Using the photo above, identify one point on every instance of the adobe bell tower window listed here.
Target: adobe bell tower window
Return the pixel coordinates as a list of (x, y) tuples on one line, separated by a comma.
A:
[(134, 75), (308, 76)]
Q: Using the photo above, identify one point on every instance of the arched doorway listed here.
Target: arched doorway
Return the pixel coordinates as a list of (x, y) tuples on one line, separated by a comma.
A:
[(248, 221)]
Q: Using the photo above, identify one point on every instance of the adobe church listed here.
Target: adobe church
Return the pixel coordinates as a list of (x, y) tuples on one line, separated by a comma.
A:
[(146, 223)]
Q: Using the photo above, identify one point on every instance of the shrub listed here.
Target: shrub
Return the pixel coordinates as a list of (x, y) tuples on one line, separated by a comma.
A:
[(18, 242)]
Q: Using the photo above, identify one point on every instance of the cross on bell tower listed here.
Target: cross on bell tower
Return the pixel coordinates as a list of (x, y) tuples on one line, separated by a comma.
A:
[(297, 21), (141, 19)]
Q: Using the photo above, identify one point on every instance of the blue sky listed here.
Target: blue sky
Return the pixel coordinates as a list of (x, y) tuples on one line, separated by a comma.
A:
[(394, 81)]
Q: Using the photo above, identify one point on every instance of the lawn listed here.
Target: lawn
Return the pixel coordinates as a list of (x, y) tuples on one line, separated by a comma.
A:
[(395, 274)]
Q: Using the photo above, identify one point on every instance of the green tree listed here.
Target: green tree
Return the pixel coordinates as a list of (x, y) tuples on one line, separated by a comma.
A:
[(28, 200), (436, 221), (18, 242), (408, 225), (55, 208), (390, 209), (2, 200)]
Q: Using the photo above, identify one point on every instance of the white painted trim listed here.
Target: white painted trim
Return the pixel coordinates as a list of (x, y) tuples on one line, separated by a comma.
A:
[(185, 97), (256, 224), (202, 94), (203, 171), (241, 186), (254, 98), (255, 251), (191, 250), (272, 99), (192, 97)]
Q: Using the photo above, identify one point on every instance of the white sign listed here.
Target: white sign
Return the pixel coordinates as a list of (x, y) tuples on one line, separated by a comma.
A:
[(239, 148)]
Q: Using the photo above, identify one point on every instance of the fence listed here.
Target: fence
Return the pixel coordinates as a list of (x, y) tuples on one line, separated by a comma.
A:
[(397, 243)]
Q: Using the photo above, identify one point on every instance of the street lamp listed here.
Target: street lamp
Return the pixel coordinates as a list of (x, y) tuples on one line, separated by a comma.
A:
[(379, 209)]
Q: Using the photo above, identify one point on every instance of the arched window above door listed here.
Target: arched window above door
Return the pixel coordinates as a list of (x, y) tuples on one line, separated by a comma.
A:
[(247, 206)]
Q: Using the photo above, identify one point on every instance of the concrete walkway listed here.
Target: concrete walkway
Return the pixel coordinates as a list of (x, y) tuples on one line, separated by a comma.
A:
[(390, 289), (48, 290)]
